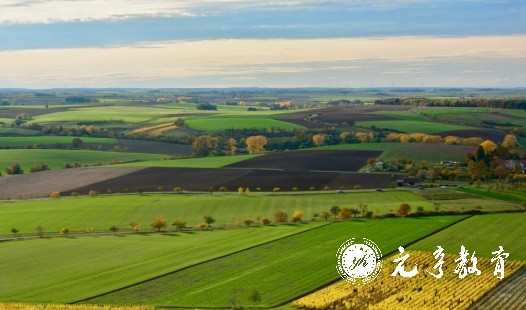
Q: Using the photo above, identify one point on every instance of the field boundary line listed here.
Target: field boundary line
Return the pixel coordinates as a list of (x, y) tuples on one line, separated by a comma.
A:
[(202, 262)]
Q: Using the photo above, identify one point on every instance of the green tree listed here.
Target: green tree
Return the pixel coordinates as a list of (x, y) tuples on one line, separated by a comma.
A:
[(325, 215), (355, 212), (76, 142), (14, 168), (335, 210), (114, 229), (14, 231), (40, 231), (255, 297), (179, 224), (209, 220)]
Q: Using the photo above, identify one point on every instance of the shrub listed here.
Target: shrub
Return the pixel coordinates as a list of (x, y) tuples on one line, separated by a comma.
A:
[(55, 195), (404, 209), (38, 168), (264, 221), (357, 186), (114, 229), (202, 226), (93, 193), (312, 188), (14, 169), (160, 188), (248, 222), (280, 217), (295, 189), (326, 188), (297, 216), (178, 189), (206, 106), (369, 214), (64, 231), (345, 213), (135, 226), (276, 189), (179, 224), (74, 194), (240, 190), (223, 189)]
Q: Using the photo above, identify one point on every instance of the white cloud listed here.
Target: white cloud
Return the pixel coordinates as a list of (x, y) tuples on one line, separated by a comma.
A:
[(53, 11), (269, 62)]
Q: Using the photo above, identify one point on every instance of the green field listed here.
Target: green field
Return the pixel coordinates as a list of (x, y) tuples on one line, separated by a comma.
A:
[(280, 271), (412, 126), (483, 234), (57, 159), (15, 142), (204, 162), (63, 270), (78, 213), (14, 131), (221, 123), (519, 196)]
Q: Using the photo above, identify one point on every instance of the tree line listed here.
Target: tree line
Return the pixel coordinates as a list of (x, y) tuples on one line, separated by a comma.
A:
[(497, 103)]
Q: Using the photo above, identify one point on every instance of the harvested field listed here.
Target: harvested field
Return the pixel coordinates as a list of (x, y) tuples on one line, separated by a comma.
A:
[(430, 152), (507, 295), (13, 112), (195, 179), (486, 134), (349, 161), (155, 130), (337, 116), (154, 147), (41, 184)]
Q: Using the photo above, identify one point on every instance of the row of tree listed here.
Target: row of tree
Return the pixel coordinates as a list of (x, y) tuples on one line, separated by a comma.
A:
[(498, 103)]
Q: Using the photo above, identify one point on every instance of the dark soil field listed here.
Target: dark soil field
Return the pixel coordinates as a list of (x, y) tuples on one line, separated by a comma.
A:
[(42, 184), (335, 116), (195, 179), (486, 134), (348, 161)]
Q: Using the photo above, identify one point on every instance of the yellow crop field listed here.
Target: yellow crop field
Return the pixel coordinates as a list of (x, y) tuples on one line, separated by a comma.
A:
[(423, 291), (155, 130), (69, 307)]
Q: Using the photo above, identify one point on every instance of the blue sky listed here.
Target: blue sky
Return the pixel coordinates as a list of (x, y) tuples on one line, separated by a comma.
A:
[(33, 32)]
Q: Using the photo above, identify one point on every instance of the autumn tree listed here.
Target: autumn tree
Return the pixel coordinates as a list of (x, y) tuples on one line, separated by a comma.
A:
[(345, 213), (371, 161), (204, 145), (345, 136), (509, 142), (297, 216), (364, 136), (488, 146), (280, 217), (256, 144), (404, 209), (232, 146), (209, 220), (477, 170), (319, 139), (135, 226), (64, 231), (248, 222)]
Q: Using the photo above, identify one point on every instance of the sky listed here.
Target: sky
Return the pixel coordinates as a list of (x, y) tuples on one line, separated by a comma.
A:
[(249, 43)]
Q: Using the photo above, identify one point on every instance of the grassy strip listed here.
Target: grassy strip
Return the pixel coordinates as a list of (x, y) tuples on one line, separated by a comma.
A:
[(483, 234), (62, 270), (512, 197), (280, 271)]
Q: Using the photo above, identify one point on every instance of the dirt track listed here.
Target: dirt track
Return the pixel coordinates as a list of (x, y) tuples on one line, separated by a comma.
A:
[(41, 184)]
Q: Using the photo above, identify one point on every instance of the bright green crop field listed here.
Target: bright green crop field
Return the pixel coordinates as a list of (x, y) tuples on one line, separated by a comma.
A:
[(50, 140), (221, 123), (280, 270), (412, 126), (57, 159), (78, 213), (483, 234), (63, 270)]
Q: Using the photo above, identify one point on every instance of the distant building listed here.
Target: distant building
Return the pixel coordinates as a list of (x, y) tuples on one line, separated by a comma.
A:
[(409, 182)]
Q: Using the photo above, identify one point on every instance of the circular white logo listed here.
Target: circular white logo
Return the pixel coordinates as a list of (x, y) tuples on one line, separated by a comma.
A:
[(359, 262)]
